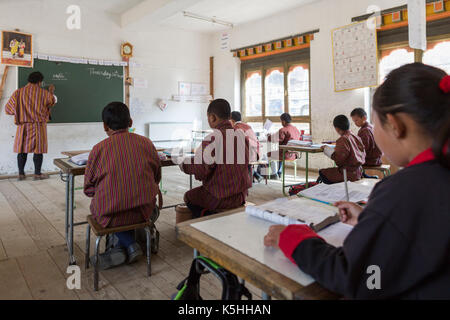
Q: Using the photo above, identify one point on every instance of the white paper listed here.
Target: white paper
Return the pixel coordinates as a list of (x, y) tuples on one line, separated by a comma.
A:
[(292, 211), (93, 62), (42, 56), (417, 24), (80, 159), (300, 143), (268, 125), (336, 192), (140, 83)]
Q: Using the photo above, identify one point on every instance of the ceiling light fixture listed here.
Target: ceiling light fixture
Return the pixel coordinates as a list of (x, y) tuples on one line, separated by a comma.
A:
[(212, 20)]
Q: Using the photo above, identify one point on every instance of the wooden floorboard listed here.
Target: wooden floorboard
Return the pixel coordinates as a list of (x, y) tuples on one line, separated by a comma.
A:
[(33, 254)]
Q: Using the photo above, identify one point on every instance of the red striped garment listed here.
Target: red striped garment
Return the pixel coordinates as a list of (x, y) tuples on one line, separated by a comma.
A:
[(224, 185), (122, 176), (283, 136), (253, 141), (30, 107)]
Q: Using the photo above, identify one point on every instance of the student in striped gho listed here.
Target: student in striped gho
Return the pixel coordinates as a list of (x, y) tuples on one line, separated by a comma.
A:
[(30, 107), (221, 164), (236, 122), (349, 154), (287, 133), (373, 153), (122, 177)]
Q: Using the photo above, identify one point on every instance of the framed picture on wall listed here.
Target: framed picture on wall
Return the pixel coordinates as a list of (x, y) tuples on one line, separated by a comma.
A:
[(17, 49)]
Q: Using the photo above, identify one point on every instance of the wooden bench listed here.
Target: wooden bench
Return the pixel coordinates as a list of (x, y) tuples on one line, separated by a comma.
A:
[(385, 169), (99, 231)]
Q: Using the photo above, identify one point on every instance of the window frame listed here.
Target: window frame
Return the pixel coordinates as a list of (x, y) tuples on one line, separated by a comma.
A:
[(300, 57)]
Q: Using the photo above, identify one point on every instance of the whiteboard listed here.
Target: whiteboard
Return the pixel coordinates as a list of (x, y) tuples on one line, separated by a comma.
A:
[(355, 57), (246, 233)]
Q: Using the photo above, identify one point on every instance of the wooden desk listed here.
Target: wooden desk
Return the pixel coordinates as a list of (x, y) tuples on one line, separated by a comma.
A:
[(272, 283), (307, 151), (69, 171)]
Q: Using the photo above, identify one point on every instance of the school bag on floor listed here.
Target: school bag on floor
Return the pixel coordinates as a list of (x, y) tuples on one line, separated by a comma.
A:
[(189, 288)]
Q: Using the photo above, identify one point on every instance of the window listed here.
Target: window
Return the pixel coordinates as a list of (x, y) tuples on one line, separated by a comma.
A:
[(298, 90), (438, 55), (394, 59), (253, 94), (274, 85)]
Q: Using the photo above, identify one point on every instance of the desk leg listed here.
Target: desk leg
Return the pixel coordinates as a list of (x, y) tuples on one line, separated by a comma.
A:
[(69, 217), (306, 170), (265, 296), (190, 182), (284, 174)]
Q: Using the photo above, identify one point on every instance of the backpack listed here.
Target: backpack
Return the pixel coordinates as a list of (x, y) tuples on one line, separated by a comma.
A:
[(293, 190), (189, 288)]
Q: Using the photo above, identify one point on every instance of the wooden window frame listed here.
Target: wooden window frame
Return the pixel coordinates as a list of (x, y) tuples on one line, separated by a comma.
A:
[(285, 61)]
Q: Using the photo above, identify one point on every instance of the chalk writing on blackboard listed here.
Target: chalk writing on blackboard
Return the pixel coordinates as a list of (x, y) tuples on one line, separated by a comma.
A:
[(106, 74)]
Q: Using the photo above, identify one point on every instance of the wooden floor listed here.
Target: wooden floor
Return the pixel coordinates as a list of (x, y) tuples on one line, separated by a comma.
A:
[(33, 255)]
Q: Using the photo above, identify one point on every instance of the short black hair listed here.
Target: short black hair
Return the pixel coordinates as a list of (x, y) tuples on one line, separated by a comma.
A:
[(221, 108), (35, 77), (341, 122), (360, 112), (116, 116), (236, 116), (286, 117)]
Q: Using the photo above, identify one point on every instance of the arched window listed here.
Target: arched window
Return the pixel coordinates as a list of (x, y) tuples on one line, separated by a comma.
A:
[(298, 90), (438, 55), (393, 59), (274, 91)]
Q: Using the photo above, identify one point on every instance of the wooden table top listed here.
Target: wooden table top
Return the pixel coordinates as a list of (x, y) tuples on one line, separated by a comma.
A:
[(271, 282), (301, 149)]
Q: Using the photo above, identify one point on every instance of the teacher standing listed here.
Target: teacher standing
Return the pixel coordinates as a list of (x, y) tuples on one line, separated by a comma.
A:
[(30, 107)]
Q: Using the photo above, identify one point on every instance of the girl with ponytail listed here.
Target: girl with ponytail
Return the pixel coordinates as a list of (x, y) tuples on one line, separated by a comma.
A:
[(404, 231)]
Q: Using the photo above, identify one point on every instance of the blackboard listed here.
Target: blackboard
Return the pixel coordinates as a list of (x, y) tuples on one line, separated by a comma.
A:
[(83, 90)]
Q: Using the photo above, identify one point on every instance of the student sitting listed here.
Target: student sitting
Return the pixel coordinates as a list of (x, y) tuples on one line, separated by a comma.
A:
[(399, 246), (225, 179), (349, 154), (287, 133), (236, 122), (122, 176), (373, 153)]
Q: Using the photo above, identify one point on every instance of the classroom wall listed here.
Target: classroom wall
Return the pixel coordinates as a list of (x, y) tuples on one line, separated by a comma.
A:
[(324, 15), (165, 56)]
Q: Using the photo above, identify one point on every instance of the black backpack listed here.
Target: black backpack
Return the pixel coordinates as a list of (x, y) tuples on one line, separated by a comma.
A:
[(189, 288)]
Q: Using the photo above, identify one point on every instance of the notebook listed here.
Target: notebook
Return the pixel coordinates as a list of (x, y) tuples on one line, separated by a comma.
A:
[(80, 159), (331, 193), (296, 210)]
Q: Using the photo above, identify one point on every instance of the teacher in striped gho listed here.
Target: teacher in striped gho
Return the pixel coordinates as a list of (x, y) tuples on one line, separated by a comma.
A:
[(30, 107)]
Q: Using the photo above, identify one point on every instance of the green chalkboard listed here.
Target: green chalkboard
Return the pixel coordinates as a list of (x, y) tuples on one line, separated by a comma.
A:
[(83, 90)]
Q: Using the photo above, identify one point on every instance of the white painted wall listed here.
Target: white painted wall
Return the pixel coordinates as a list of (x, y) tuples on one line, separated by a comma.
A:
[(167, 56), (324, 15)]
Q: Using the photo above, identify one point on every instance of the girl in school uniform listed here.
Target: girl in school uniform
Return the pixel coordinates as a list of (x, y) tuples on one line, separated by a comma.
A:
[(400, 244)]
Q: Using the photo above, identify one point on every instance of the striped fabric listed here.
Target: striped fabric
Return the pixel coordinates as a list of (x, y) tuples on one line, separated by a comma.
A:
[(221, 181), (284, 135), (30, 107), (122, 176), (253, 141)]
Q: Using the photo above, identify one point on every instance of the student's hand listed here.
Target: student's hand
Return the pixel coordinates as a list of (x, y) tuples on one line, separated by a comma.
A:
[(272, 238), (51, 89), (349, 212)]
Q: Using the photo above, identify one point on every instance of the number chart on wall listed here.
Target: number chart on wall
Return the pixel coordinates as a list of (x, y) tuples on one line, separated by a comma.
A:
[(355, 60), (83, 90)]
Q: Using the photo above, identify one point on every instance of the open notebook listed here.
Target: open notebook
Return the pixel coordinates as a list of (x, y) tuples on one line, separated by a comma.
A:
[(296, 210), (332, 193)]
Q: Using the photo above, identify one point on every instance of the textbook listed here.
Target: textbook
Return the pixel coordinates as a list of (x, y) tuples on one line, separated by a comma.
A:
[(331, 193), (296, 210), (80, 159)]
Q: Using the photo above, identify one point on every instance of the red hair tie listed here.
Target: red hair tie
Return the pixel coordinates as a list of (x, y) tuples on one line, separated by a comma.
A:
[(445, 84)]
